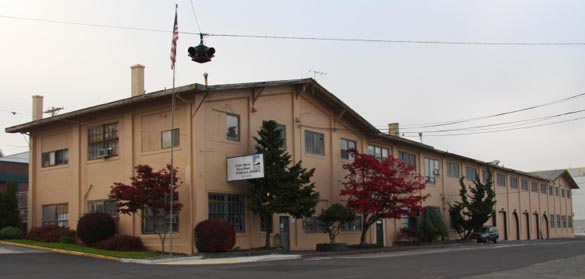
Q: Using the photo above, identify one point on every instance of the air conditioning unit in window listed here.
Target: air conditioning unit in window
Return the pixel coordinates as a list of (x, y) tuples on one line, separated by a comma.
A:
[(437, 172), (105, 152)]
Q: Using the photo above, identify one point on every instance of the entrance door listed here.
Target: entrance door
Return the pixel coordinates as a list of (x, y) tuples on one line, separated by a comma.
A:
[(380, 232), (515, 226), (537, 224), (284, 232), (527, 218), (546, 225), (503, 225)]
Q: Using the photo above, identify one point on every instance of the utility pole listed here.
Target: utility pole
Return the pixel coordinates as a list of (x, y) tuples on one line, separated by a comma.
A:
[(53, 110)]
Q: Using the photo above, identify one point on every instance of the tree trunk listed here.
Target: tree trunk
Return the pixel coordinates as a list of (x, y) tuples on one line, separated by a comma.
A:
[(363, 237)]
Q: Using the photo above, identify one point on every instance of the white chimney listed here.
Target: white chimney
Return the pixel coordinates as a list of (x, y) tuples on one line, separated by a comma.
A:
[(37, 109), (393, 129), (137, 80)]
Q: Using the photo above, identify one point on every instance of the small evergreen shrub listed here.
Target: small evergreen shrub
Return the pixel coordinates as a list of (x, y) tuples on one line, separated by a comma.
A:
[(11, 233), (95, 227), (213, 235), (49, 233), (121, 243), (432, 226), (67, 240)]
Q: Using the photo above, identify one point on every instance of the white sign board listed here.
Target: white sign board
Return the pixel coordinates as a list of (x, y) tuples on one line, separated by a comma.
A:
[(245, 167)]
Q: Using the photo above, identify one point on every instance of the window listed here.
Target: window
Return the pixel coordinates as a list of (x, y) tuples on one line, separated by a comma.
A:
[(282, 130), (470, 173), (525, 184), (151, 224), (56, 215), (431, 170), (380, 153), (106, 206), (407, 158), (55, 158), (570, 219), (346, 145), (564, 219), (313, 225), (501, 179), (550, 190), (314, 143), (266, 224), (552, 221), (557, 191), (514, 183), (232, 127), (103, 137), (543, 188), (230, 208), (453, 170), (353, 226), (168, 136), (484, 176), (562, 192), (558, 221), (534, 187), (568, 194)]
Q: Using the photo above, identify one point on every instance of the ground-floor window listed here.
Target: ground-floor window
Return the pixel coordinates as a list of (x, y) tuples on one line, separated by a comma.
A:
[(56, 214), (105, 206), (266, 224), (353, 226), (313, 225), (230, 208), (552, 221), (152, 224)]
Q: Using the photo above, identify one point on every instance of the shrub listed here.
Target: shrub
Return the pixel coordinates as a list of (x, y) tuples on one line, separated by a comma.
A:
[(121, 243), (95, 227), (49, 233), (11, 233), (432, 226), (67, 240), (213, 235)]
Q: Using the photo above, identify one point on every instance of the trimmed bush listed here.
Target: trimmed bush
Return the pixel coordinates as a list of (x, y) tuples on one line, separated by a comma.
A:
[(67, 240), (95, 227), (121, 243), (11, 233), (213, 235), (49, 233)]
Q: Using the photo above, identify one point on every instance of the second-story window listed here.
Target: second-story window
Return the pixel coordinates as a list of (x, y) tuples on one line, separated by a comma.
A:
[(169, 137), (407, 158), (453, 170), (102, 141), (514, 183), (431, 170), (562, 192), (524, 184), (470, 173), (381, 153), (232, 127), (550, 190), (543, 188), (55, 158), (557, 191), (501, 179), (347, 145), (534, 187), (314, 143)]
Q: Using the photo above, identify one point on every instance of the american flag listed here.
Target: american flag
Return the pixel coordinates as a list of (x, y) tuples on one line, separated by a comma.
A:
[(174, 42)]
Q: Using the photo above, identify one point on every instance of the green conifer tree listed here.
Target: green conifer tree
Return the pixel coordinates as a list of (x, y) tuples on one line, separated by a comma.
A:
[(9, 212)]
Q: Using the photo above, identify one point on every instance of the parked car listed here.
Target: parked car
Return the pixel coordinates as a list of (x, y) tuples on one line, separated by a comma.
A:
[(486, 234)]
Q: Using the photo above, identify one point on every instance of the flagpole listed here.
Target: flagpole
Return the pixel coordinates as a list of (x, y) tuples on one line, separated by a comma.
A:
[(172, 146)]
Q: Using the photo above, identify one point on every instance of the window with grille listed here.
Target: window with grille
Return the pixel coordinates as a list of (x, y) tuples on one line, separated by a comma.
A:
[(407, 158), (431, 170), (470, 173), (56, 215), (55, 158), (313, 225), (557, 191), (170, 137), (354, 226), (232, 127), (380, 153), (550, 190), (266, 224), (501, 179), (558, 221), (230, 208), (562, 193), (534, 187), (314, 143), (552, 221), (347, 145), (105, 206), (525, 184), (152, 224), (514, 183), (542, 188), (103, 137)]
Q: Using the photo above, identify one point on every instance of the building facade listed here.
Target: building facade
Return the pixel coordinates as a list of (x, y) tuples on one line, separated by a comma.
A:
[(15, 168), (77, 156)]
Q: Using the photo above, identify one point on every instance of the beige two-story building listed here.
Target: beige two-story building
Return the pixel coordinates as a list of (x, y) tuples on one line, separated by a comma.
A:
[(76, 157)]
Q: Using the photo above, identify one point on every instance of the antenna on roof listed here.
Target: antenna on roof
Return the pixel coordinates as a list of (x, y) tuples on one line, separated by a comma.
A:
[(53, 110), (315, 73)]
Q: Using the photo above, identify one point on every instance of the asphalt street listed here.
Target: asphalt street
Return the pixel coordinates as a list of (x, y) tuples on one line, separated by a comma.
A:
[(526, 259)]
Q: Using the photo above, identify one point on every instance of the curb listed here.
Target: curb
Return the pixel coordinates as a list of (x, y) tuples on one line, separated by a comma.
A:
[(61, 251)]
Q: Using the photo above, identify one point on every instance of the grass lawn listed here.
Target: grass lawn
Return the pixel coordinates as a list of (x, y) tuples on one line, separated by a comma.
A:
[(89, 250)]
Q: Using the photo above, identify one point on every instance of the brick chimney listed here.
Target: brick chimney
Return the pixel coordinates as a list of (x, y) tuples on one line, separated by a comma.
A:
[(37, 107), (393, 129), (137, 80)]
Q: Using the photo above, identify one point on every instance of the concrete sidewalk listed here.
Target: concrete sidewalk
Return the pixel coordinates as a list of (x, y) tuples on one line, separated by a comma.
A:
[(199, 260)]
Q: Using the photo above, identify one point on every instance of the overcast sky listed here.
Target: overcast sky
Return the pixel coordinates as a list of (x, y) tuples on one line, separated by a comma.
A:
[(76, 66)]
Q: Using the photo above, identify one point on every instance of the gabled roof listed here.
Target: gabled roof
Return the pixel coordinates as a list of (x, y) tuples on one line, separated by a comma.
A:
[(21, 158), (554, 174)]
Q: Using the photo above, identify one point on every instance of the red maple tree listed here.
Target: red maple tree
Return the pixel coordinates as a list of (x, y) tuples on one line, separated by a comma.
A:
[(149, 191), (387, 189)]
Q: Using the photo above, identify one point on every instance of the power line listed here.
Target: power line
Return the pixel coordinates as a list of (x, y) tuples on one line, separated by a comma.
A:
[(445, 123), (358, 40), (195, 15), (485, 127)]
